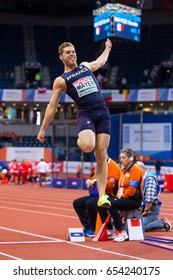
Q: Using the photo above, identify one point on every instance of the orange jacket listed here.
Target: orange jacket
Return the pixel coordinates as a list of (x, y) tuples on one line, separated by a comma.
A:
[(130, 180), (114, 174)]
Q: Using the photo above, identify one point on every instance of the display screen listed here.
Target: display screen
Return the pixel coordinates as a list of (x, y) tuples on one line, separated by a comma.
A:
[(127, 26), (102, 26), (117, 24)]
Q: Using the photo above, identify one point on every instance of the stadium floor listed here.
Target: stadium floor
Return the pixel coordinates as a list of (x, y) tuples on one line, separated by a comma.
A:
[(35, 222)]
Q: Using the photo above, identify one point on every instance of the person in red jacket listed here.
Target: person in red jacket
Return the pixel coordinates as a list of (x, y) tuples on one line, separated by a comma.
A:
[(14, 171), (25, 171)]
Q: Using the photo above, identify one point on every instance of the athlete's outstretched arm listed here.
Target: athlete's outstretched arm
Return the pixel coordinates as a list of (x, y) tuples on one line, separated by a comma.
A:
[(102, 59), (58, 87)]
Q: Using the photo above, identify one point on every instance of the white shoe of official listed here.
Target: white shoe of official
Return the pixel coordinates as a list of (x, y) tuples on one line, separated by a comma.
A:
[(120, 236)]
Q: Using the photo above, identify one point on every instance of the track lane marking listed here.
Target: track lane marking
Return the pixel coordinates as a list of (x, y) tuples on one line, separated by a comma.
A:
[(39, 212), (10, 256), (75, 244)]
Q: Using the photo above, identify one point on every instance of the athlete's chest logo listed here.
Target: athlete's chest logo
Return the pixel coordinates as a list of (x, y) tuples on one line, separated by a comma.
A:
[(85, 85)]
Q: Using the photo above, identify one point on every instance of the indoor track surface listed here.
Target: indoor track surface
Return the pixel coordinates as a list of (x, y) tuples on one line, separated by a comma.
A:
[(35, 221)]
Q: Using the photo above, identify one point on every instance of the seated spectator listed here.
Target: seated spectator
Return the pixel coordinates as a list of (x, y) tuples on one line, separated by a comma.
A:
[(37, 80), (9, 74), (146, 76), (151, 203), (86, 206), (122, 81), (101, 79), (28, 84), (129, 195)]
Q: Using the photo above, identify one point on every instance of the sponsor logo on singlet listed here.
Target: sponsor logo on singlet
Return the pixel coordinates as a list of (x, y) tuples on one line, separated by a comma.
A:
[(85, 86)]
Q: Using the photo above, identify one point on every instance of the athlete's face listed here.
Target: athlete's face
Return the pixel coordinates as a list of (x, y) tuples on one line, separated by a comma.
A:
[(69, 56)]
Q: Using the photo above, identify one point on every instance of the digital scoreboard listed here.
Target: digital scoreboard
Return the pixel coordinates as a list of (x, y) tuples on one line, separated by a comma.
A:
[(103, 26), (116, 20)]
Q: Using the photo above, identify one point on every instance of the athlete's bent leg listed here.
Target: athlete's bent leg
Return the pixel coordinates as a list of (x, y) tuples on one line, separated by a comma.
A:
[(86, 140)]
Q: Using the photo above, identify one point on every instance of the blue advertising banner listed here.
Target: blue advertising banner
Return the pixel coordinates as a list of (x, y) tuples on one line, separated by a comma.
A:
[(148, 139)]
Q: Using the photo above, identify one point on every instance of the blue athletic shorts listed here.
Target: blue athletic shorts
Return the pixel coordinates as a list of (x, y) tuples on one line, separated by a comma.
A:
[(98, 120)]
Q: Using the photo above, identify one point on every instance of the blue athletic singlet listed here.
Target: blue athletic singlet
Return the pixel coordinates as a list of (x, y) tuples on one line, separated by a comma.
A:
[(83, 88)]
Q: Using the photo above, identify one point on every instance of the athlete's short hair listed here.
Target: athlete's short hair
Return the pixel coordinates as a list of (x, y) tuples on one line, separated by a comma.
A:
[(64, 45)]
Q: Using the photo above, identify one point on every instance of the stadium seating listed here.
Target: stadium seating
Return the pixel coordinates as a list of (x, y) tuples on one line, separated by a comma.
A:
[(11, 52), (130, 57)]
